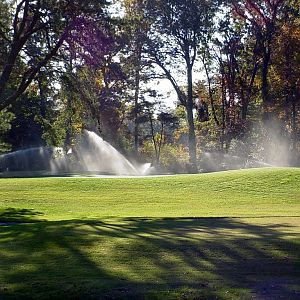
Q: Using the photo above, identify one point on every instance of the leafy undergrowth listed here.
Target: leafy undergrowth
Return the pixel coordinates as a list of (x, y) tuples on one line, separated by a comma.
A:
[(173, 238)]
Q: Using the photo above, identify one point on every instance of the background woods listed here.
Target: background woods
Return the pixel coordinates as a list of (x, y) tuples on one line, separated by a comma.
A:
[(232, 68)]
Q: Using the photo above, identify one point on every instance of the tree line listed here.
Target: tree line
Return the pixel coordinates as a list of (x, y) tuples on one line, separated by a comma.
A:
[(234, 67)]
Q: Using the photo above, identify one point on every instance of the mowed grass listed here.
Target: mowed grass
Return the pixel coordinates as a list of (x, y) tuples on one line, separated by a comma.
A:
[(226, 235), (257, 192)]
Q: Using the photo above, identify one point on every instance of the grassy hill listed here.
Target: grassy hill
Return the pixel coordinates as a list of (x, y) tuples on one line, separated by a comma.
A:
[(226, 235), (256, 192)]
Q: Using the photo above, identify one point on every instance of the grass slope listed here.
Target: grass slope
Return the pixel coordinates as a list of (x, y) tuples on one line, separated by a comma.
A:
[(226, 235), (257, 192)]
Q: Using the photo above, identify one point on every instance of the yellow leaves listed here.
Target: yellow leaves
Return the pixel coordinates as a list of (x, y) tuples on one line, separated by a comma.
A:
[(287, 43), (178, 133), (77, 127), (285, 71), (99, 83), (94, 78)]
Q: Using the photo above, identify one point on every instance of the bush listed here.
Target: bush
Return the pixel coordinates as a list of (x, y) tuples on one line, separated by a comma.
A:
[(173, 158)]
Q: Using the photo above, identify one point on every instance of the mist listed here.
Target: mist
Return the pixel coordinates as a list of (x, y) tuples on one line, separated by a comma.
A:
[(267, 145)]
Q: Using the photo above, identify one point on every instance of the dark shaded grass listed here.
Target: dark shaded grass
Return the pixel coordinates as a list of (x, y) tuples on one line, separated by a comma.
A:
[(148, 258), (14, 215)]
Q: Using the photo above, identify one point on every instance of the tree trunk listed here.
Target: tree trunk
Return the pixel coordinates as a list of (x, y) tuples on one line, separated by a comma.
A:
[(153, 138), (190, 119), (294, 124), (265, 86), (210, 93), (136, 99), (223, 87), (43, 107), (249, 92), (161, 139), (8, 67)]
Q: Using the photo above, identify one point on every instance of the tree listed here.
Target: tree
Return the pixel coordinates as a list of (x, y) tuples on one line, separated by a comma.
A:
[(263, 18), (48, 23), (286, 74), (136, 31), (178, 29), (231, 64)]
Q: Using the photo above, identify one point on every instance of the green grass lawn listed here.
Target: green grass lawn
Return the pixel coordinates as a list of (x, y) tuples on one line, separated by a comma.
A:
[(226, 235)]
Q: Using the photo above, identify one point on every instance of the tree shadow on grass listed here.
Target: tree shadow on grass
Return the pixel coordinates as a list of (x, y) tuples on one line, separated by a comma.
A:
[(14, 215), (150, 258)]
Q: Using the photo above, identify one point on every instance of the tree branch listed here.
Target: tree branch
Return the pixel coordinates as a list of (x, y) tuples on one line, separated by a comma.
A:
[(210, 91), (172, 80), (30, 74)]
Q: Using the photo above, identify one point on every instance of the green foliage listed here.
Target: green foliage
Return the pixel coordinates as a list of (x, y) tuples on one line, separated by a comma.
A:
[(25, 131), (5, 125), (244, 58), (54, 131), (173, 158)]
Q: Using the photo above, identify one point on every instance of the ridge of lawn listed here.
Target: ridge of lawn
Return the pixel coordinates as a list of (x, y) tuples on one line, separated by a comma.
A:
[(225, 235), (248, 193)]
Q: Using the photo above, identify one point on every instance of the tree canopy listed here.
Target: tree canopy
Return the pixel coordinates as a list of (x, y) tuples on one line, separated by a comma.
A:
[(233, 68)]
